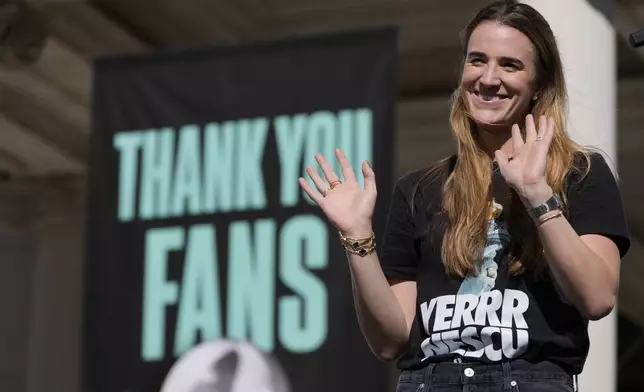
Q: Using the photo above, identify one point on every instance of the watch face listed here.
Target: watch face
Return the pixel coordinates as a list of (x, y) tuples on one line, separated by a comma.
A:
[(551, 204)]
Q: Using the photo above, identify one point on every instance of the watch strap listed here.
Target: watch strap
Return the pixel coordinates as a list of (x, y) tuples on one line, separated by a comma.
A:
[(553, 203)]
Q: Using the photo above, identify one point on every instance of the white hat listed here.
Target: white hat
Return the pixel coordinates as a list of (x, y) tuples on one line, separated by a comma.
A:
[(226, 366)]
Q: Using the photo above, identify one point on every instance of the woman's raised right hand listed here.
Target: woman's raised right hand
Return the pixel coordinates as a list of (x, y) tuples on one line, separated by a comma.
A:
[(347, 205)]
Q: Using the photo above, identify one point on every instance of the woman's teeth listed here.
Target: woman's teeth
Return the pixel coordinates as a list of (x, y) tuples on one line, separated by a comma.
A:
[(491, 97)]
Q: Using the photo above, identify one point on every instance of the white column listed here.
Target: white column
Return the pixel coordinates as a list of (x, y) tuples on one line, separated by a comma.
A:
[(587, 44)]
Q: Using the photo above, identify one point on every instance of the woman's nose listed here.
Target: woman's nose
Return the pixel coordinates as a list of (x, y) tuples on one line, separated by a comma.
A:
[(490, 76)]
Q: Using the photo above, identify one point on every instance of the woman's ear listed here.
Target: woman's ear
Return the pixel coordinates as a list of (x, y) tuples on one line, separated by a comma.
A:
[(538, 91)]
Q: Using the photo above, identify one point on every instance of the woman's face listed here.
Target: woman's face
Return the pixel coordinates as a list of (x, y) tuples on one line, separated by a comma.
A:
[(499, 75)]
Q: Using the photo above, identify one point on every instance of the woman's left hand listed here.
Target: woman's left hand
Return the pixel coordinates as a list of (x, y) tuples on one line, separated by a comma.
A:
[(525, 171)]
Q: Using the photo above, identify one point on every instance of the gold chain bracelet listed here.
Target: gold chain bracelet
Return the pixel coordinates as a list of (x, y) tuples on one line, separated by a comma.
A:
[(359, 246)]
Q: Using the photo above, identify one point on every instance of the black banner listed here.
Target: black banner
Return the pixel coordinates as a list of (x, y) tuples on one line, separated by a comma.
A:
[(198, 229)]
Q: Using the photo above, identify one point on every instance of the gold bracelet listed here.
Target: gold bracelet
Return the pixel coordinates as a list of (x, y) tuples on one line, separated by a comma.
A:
[(546, 218), (359, 246)]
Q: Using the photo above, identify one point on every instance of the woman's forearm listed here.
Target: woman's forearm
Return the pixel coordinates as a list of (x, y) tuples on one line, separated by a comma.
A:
[(380, 314), (588, 280)]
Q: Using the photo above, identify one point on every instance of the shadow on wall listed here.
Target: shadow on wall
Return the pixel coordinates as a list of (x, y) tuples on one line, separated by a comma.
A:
[(608, 9), (605, 7)]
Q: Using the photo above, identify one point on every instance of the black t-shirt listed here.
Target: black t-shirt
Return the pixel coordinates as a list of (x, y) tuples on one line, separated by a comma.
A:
[(493, 316)]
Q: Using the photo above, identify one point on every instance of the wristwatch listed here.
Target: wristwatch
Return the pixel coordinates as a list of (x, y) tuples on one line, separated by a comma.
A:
[(553, 203)]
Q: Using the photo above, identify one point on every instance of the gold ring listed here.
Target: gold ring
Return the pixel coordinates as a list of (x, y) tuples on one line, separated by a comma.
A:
[(334, 184)]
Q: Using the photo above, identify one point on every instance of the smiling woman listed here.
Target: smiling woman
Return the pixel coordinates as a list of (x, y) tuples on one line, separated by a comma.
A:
[(496, 258), (499, 75)]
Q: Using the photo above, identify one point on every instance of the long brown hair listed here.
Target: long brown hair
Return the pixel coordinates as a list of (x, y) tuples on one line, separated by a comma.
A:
[(464, 208)]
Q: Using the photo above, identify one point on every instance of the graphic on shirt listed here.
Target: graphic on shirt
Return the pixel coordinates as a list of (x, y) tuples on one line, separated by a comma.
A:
[(479, 321), (489, 326), (498, 239)]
